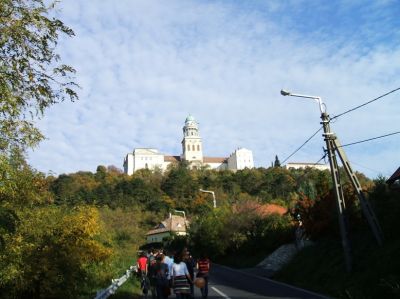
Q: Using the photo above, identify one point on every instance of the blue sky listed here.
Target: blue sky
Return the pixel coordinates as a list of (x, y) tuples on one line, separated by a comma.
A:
[(145, 65)]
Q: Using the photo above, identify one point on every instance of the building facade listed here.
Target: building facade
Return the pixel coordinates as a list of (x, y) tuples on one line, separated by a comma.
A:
[(173, 225), (303, 165), (192, 152)]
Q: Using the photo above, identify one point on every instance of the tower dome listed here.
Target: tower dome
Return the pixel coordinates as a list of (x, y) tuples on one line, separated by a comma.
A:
[(189, 118), (192, 149)]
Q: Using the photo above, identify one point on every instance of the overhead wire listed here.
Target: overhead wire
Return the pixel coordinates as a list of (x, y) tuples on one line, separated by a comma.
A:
[(366, 103), (311, 137), (370, 139), (343, 113), (300, 178), (363, 166)]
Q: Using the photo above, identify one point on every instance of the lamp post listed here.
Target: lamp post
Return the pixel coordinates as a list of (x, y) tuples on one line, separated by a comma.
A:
[(322, 106), (213, 194), (333, 146), (340, 204)]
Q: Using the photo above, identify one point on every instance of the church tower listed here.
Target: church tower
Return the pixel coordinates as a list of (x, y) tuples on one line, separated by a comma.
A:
[(192, 148)]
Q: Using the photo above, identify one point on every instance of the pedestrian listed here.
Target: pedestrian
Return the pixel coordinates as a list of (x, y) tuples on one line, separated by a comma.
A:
[(190, 264), (142, 271), (169, 260), (300, 235), (151, 273), (142, 263), (162, 281), (180, 278), (203, 267)]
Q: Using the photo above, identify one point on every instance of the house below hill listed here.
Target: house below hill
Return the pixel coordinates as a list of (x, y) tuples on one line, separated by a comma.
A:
[(173, 225)]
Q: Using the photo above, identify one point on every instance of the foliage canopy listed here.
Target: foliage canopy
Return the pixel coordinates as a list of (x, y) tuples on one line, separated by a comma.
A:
[(31, 75)]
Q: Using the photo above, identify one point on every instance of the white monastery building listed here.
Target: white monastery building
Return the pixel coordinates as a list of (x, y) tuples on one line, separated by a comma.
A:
[(192, 152), (303, 165)]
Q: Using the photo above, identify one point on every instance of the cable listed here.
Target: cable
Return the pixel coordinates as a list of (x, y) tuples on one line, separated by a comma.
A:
[(363, 166), (361, 141), (336, 116), (300, 178), (366, 103), (301, 146), (322, 158)]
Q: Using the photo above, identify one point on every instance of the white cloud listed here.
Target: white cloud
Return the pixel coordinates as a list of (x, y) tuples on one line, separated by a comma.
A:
[(144, 65)]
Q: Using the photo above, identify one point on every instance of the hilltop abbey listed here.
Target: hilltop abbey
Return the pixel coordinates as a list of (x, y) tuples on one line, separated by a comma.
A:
[(192, 152)]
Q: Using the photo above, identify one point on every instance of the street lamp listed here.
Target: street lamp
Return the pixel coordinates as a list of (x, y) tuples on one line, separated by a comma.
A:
[(213, 194), (340, 203), (322, 106), (333, 145)]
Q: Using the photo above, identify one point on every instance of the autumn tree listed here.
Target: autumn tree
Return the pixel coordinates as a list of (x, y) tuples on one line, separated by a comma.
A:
[(51, 249)]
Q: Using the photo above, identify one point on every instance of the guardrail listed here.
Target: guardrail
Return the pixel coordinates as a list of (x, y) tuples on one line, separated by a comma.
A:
[(115, 284)]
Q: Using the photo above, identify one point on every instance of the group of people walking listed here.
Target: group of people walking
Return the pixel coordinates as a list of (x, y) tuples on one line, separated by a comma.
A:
[(160, 271)]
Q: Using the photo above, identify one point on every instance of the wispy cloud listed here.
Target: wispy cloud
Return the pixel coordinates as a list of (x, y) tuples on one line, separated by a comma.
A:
[(145, 65)]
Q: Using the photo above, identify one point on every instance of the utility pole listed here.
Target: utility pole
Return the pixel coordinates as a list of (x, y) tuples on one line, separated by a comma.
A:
[(340, 203), (333, 146)]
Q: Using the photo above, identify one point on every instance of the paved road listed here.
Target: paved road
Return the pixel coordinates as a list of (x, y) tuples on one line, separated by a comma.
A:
[(234, 284)]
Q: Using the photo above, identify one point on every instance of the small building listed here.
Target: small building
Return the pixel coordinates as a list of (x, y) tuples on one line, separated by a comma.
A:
[(394, 180), (303, 165), (173, 225)]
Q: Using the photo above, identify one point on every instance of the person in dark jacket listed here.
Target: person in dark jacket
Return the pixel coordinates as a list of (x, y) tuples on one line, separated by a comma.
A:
[(162, 281), (190, 264)]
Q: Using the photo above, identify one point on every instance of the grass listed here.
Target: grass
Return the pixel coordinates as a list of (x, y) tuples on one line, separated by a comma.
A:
[(129, 290), (321, 268), (124, 234)]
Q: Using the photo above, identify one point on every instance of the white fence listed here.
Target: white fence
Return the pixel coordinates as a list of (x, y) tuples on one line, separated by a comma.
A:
[(115, 284)]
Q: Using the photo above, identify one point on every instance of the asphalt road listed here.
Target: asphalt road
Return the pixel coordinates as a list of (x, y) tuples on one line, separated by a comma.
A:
[(234, 284)]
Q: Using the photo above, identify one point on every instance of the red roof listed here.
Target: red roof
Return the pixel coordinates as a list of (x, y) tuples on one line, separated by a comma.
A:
[(214, 159), (172, 158)]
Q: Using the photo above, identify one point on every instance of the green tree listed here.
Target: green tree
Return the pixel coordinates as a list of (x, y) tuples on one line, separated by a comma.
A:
[(180, 184), (277, 163), (31, 75)]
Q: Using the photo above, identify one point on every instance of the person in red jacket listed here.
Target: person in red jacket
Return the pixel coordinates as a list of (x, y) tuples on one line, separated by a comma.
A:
[(142, 264), (142, 272)]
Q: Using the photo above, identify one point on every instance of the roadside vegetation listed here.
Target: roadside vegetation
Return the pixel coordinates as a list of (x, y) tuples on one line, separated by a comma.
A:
[(375, 271)]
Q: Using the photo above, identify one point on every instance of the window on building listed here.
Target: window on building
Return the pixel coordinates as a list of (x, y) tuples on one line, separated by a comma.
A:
[(188, 147), (198, 147), (193, 148)]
